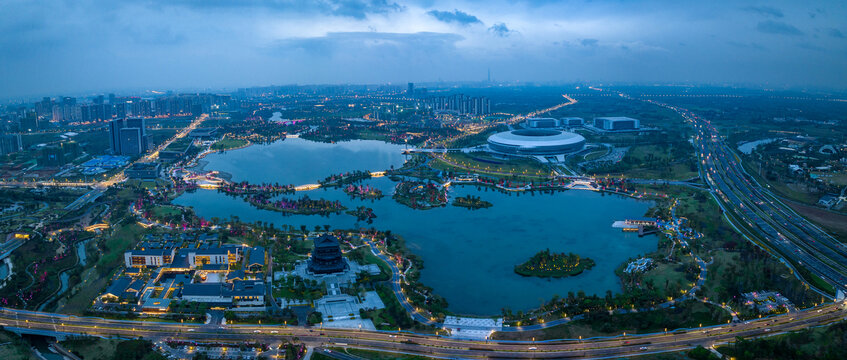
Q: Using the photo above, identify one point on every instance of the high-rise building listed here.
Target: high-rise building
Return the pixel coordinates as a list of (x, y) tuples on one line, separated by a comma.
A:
[(459, 103), (127, 136), (10, 143), (131, 141), (115, 127), (411, 89), (44, 108), (29, 122), (138, 123)]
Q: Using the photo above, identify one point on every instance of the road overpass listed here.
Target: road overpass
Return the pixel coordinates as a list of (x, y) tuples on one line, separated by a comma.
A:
[(50, 324)]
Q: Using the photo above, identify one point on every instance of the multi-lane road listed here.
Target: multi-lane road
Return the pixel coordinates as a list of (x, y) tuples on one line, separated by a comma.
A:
[(759, 214), (674, 340)]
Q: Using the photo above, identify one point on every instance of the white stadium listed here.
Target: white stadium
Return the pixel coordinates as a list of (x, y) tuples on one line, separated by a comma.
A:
[(535, 142)]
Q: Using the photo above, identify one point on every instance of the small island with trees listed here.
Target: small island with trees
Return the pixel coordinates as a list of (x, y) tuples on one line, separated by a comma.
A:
[(420, 195), (547, 264), (471, 202), (365, 192), (363, 213)]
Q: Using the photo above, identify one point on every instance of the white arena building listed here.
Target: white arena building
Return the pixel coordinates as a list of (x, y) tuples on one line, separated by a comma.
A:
[(535, 142)]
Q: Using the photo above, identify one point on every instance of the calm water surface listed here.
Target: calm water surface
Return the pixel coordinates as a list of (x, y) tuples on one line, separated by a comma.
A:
[(468, 255), (298, 161)]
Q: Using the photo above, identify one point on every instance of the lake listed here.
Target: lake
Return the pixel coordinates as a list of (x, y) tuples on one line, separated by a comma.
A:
[(468, 255), (298, 161)]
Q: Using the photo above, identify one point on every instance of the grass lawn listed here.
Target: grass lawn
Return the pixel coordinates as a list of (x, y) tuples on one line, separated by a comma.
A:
[(667, 274), (165, 211), (722, 260), (676, 172), (14, 348), (670, 162), (317, 355), (485, 164), (835, 223), (120, 240), (778, 187), (93, 348), (93, 285), (595, 155), (228, 143)]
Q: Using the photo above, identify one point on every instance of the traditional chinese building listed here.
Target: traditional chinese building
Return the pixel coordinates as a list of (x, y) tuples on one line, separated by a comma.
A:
[(326, 256)]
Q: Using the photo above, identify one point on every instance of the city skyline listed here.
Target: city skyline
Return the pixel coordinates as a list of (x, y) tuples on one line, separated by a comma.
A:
[(92, 46)]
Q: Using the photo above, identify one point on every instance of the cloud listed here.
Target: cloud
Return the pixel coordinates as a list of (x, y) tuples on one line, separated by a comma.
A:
[(333, 43), (778, 28), (589, 42), (835, 33), (501, 30), (765, 11), (357, 9), (455, 16), (360, 9)]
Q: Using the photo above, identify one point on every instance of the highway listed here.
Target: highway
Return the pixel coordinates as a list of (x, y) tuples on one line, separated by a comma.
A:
[(674, 340), (758, 213)]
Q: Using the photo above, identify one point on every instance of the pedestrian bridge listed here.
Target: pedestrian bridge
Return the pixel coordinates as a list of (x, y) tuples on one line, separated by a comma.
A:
[(582, 185)]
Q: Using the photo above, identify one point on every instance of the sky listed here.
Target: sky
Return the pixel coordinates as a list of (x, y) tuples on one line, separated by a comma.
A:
[(55, 47)]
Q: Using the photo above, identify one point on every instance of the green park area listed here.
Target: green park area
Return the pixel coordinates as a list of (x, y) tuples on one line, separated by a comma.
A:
[(736, 265), (688, 314), (228, 143), (813, 343), (482, 163), (13, 347), (668, 161), (91, 348)]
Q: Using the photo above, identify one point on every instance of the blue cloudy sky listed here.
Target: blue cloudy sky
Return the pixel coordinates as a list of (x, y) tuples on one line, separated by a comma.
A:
[(73, 46)]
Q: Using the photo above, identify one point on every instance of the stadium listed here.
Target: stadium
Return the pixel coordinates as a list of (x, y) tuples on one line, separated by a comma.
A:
[(535, 142)]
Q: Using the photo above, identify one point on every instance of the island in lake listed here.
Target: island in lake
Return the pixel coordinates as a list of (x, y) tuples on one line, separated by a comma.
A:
[(420, 195), (547, 264), (363, 213), (471, 202), (301, 206)]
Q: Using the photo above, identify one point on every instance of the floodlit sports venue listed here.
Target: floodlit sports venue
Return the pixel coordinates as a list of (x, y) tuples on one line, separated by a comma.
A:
[(535, 142)]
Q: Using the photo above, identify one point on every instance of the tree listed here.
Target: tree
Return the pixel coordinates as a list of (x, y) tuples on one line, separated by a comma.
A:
[(701, 353), (136, 350)]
